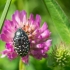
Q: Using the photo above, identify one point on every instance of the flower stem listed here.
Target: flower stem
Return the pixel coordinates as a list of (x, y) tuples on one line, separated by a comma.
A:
[(4, 14), (21, 65)]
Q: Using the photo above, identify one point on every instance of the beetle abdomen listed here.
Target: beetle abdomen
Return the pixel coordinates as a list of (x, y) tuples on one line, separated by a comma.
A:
[(21, 43)]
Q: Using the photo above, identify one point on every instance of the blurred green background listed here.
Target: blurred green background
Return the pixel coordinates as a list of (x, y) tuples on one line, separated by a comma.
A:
[(35, 7)]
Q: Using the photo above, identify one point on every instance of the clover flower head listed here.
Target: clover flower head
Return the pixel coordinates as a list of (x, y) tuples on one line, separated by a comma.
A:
[(61, 55), (24, 36)]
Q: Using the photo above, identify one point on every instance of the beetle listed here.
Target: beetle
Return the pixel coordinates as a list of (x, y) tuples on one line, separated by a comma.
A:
[(21, 42)]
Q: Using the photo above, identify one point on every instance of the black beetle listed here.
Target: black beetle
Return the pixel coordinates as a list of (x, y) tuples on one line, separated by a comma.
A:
[(21, 42)]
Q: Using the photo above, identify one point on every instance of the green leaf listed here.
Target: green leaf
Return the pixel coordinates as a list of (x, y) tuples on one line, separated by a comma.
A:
[(65, 4), (4, 13), (59, 20)]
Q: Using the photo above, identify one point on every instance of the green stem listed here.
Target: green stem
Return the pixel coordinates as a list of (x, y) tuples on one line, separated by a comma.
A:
[(21, 65), (4, 14)]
